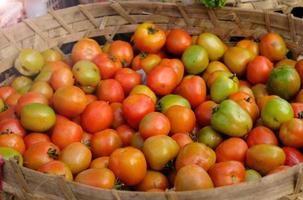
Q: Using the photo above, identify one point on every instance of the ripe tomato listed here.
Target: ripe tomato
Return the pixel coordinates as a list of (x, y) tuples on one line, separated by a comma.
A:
[(149, 38), (12, 100), (43, 88), (154, 123), (149, 62), (195, 153), (69, 101), (103, 143), (232, 149), (227, 173), (61, 78), (192, 177), (259, 69), (261, 135), (101, 162), (273, 47), (110, 90), (153, 180), (39, 154), (136, 63), (182, 139), (76, 156), (177, 41), (299, 68), (298, 109), (182, 119), (85, 49), (12, 126), (118, 118), (204, 112), (250, 45), (34, 138), (125, 160), (143, 89), (122, 51), (137, 141), (66, 132), (291, 133), (176, 65), (193, 88), (90, 98), (58, 168), (13, 141), (6, 91), (125, 133), (128, 79), (135, 107), (101, 178), (28, 98), (108, 65), (278, 169), (293, 156), (86, 139), (286, 61), (299, 97)]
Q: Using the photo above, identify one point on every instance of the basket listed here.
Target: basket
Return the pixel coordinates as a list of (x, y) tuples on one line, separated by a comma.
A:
[(109, 18)]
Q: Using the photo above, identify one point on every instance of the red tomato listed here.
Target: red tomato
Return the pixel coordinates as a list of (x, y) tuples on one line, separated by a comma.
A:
[(135, 107), (177, 41), (125, 133), (182, 139), (12, 126), (176, 65), (293, 156), (232, 149), (97, 116), (154, 123), (110, 90), (204, 112), (278, 169), (108, 65), (61, 78), (13, 141), (227, 173), (122, 51), (261, 135), (273, 47), (118, 115), (12, 100), (85, 49), (136, 63), (291, 133), (298, 109), (128, 79), (90, 98), (28, 98), (8, 113), (259, 69), (6, 91), (34, 138)]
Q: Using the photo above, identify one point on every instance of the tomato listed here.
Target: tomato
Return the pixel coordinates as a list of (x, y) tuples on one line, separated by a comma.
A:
[(28, 98), (177, 41), (6, 91), (286, 61), (171, 100), (90, 98), (298, 110), (9, 153), (195, 153), (149, 62), (259, 91), (13, 141), (101, 162), (192, 177), (247, 102), (149, 38), (86, 73), (299, 68), (264, 157), (250, 45), (137, 141), (236, 59), (212, 67), (159, 150), (97, 116), (291, 133), (128, 79), (69, 101), (273, 47), (153, 180), (29, 62), (108, 65), (232, 149), (125, 160), (293, 156), (103, 143), (51, 55), (182, 139), (278, 169), (118, 118), (110, 90), (261, 135), (275, 112), (195, 59), (62, 78), (66, 132), (208, 136), (43, 88), (227, 173), (212, 44), (176, 65), (135, 107), (182, 119), (58, 168), (204, 112), (76, 156), (85, 49), (39, 154), (125, 133), (12, 100), (136, 63), (154, 123), (34, 138), (259, 69), (12, 126), (101, 178), (49, 68), (284, 81), (252, 175), (264, 99), (122, 51), (37, 117), (22, 84), (143, 89), (86, 139), (299, 97)]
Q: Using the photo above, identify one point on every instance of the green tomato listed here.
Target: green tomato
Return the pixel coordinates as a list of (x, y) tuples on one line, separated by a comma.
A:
[(252, 175), (22, 84), (171, 100), (230, 119), (195, 59), (29, 62), (275, 112), (208, 136), (212, 44), (9, 153), (86, 73)]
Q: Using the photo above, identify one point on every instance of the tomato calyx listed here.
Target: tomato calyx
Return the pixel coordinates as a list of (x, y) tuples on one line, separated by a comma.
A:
[(151, 30), (119, 185), (233, 76), (52, 153), (215, 109), (142, 55), (124, 63), (234, 179), (86, 143), (300, 115), (248, 99), (6, 132)]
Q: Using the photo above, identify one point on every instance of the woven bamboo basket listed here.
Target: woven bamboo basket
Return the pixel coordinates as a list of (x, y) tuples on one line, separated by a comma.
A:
[(109, 18)]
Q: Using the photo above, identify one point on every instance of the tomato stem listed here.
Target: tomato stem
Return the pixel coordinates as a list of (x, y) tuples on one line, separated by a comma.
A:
[(52, 153), (300, 115), (152, 30)]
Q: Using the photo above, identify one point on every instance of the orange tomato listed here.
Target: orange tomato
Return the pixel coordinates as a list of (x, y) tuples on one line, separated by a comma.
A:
[(101, 162), (154, 123), (232, 149), (58, 168), (153, 180), (13, 141), (125, 133), (261, 135), (182, 139), (122, 51), (101, 178), (34, 138), (250, 45), (6, 91), (28, 98), (85, 49), (61, 78), (12, 125)]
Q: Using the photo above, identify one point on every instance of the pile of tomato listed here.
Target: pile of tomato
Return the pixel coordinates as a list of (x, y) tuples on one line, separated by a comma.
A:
[(166, 110)]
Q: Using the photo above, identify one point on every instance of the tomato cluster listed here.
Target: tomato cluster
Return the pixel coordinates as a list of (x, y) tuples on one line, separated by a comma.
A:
[(164, 111)]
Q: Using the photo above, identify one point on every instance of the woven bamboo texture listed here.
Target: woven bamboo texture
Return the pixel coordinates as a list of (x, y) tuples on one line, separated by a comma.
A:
[(109, 18)]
